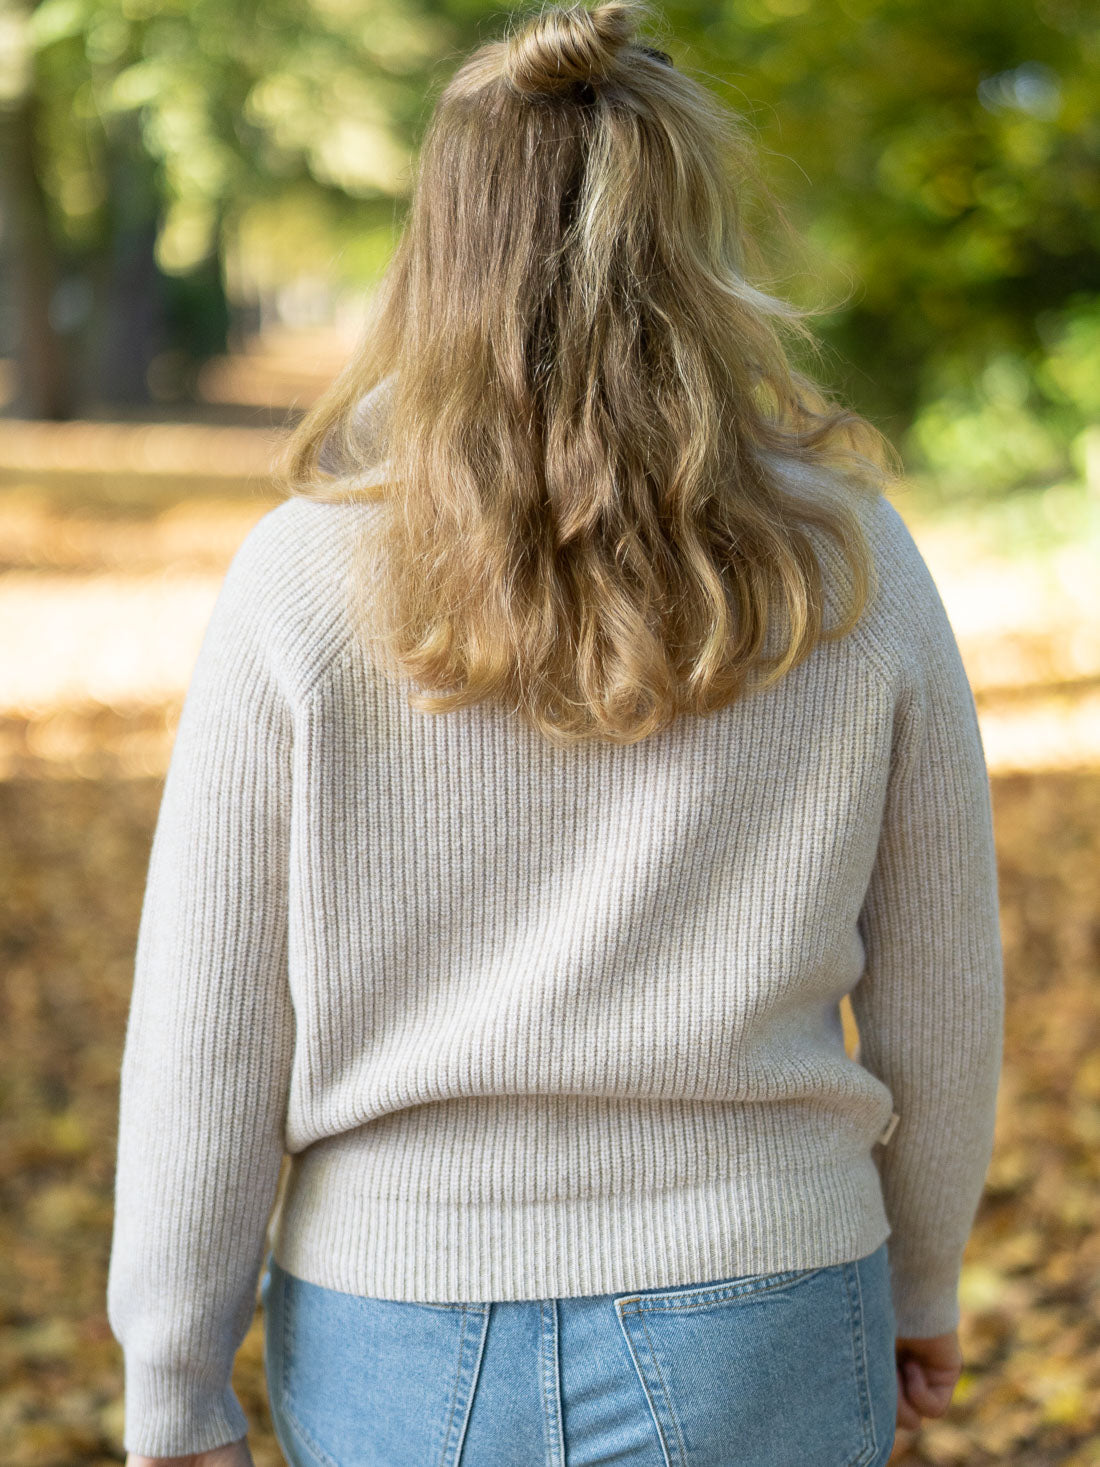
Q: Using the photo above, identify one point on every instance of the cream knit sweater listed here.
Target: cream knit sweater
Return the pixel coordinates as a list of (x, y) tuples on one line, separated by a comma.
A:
[(534, 1022)]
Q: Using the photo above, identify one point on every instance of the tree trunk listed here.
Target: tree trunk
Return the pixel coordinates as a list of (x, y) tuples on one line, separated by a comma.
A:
[(44, 380), (130, 326)]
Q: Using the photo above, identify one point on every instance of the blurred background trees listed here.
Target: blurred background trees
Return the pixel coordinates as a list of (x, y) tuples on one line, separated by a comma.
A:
[(178, 172)]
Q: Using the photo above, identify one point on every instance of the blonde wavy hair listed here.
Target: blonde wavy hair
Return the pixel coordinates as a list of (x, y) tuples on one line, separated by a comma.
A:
[(580, 407)]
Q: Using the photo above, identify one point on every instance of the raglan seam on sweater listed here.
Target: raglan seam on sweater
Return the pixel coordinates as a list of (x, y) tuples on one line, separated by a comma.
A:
[(877, 637), (908, 706), (328, 673)]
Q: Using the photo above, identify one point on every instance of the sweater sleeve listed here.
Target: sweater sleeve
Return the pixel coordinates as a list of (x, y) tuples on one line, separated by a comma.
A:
[(209, 1041), (930, 1004)]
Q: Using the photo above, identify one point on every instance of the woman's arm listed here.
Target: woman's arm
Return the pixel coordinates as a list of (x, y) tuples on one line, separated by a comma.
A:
[(209, 1043), (930, 1005)]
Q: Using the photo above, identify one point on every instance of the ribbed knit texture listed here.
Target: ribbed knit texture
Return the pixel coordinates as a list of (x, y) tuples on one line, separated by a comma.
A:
[(533, 1021)]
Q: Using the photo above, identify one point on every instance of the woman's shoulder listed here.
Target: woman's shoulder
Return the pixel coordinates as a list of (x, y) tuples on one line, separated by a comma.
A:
[(904, 620), (302, 531), (290, 575), (907, 627), (301, 543)]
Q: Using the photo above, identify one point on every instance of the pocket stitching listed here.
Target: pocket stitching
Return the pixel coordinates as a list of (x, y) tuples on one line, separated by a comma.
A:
[(859, 1362), (449, 1423), (710, 1296), (647, 1393), (681, 1448)]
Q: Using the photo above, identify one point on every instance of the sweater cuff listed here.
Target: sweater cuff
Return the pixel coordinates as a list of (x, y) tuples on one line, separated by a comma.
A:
[(924, 1305), (170, 1413)]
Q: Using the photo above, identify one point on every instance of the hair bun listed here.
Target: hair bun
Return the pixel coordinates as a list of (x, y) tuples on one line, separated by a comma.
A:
[(565, 46)]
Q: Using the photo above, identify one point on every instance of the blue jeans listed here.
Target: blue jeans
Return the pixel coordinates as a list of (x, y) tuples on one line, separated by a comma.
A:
[(789, 1369)]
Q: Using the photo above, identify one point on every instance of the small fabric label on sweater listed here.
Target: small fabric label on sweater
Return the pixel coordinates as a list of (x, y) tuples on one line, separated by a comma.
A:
[(889, 1128)]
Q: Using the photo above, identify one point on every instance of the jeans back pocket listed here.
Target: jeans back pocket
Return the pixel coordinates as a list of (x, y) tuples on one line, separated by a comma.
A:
[(762, 1371), (375, 1382)]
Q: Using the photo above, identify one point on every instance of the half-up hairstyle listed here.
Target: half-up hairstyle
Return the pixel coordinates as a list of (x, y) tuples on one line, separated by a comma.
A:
[(576, 412)]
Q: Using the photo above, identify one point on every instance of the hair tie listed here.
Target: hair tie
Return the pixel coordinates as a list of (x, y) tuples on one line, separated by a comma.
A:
[(657, 55)]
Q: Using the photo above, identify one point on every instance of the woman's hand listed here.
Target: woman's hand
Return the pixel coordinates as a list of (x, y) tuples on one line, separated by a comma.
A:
[(235, 1454), (928, 1372)]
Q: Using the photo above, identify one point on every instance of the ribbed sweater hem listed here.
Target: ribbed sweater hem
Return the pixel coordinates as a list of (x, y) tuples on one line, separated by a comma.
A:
[(331, 1231)]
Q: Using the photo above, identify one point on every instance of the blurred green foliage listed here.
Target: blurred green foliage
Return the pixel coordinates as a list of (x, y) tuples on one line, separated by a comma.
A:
[(941, 160), (944, 161)]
